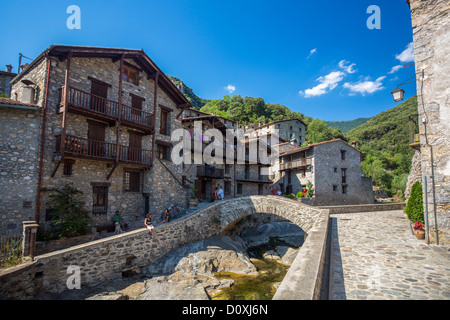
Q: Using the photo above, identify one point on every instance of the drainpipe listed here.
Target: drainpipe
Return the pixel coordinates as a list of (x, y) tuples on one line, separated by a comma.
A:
[(44, 124)]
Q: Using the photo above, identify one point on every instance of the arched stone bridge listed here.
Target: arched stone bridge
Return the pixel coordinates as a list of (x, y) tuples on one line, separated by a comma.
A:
[(112, 257)]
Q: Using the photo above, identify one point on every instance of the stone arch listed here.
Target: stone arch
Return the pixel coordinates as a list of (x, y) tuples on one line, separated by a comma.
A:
[(230, 212)]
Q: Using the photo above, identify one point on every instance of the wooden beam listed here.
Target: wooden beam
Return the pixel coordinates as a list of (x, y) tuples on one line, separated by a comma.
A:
[(112, 170), (66, 96), (120, 111), (155, 101)]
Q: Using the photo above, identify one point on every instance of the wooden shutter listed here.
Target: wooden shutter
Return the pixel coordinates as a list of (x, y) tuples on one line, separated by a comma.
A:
[(164, 118), (99, 93), (135, 147), (96, 136)]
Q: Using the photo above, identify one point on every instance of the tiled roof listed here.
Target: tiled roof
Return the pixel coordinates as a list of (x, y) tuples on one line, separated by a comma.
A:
[(11, 102), (316, 144)]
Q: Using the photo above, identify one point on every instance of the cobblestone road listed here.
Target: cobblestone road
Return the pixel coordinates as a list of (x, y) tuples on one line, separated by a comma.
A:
[(375, 256)]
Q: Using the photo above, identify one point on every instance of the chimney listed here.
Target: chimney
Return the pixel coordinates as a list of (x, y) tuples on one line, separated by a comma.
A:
[(9, 68)]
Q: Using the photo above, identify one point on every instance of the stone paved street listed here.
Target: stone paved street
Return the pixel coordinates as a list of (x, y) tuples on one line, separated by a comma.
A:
[(375, 256)]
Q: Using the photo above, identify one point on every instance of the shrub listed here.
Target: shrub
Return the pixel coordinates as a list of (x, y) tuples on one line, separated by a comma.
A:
[(69, 216), (309, 189), (414, 207), (299, 194)]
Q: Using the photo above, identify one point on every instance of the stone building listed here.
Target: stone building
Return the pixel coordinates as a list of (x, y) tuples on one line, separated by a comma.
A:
[(19, 148), (291, 130), (105, 123), (431, 36), (334, 169), (5, 81)]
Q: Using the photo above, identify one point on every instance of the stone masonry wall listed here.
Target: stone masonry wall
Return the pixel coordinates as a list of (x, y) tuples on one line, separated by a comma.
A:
[(110, 258), (431, 35), (19, 146)]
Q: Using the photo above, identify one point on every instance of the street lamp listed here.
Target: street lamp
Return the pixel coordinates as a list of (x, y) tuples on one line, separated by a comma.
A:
[(398, 93)]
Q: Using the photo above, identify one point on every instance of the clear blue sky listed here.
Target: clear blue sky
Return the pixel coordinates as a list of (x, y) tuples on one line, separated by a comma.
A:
[(316, 57)]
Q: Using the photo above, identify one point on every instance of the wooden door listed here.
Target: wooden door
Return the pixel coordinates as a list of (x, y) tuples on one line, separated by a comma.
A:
[(135, 147), (99, 93), (96, 142)]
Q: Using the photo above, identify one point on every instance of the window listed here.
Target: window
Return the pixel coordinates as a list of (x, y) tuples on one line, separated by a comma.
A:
[(164, 127), (335, 170), (343, 154), (132, 180), (68, 165), (344, 175), (227, 169), (129, 75), (239, 188), (247, 172), (344, 189), (100, 200), (334, 187), (163, 152)]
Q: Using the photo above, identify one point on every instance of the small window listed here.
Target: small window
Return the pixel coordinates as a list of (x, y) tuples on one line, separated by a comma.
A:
[(163, 152), (227, 189), (334, 187), (100, 200), (344, 175), (132, 181), (335, 170), (239, 188), (343, 154), (68, 166), (129, 75), (164, 125), (344, 189)]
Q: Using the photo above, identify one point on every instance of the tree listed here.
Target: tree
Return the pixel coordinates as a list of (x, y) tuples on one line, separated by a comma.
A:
[(69, 216), (414, 207), (318, 131)]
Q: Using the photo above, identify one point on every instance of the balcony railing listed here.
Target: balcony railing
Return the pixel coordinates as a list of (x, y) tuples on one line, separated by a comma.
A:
[(92, 104), (210, 172), (248, 178), (296, 164), (92, 149)]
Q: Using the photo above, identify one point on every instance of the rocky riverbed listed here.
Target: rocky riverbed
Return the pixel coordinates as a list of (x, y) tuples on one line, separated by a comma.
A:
[(248, 264)]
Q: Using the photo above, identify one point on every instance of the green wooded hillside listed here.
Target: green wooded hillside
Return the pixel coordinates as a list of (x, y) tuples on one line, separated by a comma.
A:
[(385, 141), (346, 126)]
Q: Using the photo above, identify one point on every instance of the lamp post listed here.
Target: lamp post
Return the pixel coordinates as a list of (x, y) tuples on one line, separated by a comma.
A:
[(398, 93)]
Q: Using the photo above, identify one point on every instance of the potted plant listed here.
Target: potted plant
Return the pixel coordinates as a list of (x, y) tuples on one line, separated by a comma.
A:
[(193, 203), (419, 230)]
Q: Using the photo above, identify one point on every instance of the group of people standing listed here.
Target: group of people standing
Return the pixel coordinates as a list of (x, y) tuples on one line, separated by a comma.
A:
[(218, 194)]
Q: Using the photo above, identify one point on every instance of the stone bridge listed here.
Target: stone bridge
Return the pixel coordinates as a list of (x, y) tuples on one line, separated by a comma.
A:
[(115, 256)]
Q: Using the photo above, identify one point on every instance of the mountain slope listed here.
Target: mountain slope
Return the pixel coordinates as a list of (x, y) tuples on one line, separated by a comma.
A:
[(385, 141), (346, 126), (196, 101)]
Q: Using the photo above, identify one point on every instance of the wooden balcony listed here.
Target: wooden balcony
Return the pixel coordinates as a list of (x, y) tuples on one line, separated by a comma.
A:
[(296, 164), (87, 104), (260, 179), (210, 172), (104, 151)]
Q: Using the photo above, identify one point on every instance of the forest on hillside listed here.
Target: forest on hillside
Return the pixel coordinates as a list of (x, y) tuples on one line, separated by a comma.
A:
[(384, 139)]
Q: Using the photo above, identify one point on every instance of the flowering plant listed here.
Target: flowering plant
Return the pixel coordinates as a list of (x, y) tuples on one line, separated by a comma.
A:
[(418, 226)]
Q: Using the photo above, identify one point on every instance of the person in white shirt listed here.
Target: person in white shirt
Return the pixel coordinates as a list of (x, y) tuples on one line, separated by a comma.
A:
[(221, 195)]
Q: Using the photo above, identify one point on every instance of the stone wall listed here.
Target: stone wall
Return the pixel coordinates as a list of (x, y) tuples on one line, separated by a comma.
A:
[(5, 85), (415, 174), (19, 148), (431, 35)]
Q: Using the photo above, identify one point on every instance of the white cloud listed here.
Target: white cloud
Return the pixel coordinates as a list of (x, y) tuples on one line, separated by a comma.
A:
[(395, 69), (365, 86), (343, 64), (327, 83), (312, 52), (230, 88), (407, 55)]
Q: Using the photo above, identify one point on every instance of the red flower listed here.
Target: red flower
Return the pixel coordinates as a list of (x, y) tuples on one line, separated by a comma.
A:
[(418, 226)]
